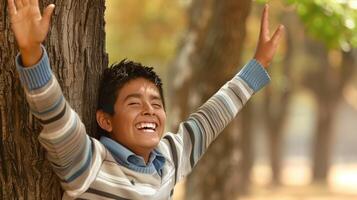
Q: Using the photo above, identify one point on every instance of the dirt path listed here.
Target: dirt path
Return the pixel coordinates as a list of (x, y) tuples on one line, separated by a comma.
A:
[(296, 193)]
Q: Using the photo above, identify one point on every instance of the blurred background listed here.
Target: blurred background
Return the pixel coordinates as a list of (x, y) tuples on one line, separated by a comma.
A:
[(297, 138)]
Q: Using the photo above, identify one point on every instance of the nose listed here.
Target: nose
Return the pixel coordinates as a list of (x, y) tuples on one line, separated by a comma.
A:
[(148, 109)]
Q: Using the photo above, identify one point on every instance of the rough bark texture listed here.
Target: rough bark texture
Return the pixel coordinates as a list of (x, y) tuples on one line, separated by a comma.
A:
[(208, 57), (77, 54)]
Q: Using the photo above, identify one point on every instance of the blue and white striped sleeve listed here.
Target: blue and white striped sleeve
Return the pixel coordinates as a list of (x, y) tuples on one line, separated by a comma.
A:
[(69, 148), (203, 126)]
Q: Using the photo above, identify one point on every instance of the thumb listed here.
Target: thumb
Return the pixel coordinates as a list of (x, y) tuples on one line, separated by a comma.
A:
[(47, 13)]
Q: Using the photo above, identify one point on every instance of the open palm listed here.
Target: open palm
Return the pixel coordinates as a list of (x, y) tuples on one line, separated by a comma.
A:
[(29, 27)]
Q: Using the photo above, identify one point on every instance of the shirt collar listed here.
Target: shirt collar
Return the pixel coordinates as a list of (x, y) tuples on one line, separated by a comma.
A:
[(129, 159)]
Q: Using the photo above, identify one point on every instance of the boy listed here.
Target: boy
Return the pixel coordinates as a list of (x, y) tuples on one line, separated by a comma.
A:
[(131, 160)]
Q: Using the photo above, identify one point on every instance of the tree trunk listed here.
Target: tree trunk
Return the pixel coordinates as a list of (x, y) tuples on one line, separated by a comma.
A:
[(277, 100), (328, 98), (246, 142), (322, 142), (76, 37), (323, 82), (327, 83), (209, 57)]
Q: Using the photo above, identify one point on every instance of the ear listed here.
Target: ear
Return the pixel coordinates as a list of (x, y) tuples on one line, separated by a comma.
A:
[(103, 119)]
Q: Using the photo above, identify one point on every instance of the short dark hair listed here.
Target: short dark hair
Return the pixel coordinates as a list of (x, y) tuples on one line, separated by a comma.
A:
[(115, 77)]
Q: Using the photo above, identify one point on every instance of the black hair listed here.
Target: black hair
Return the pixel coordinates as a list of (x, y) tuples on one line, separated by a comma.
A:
[(115, 77)]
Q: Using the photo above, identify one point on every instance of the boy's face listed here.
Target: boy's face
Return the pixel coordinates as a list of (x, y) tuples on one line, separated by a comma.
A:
[(139, 116)]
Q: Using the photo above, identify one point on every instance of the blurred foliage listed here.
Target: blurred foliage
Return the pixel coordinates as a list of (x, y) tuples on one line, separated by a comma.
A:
[(144, 31), (333, 22)]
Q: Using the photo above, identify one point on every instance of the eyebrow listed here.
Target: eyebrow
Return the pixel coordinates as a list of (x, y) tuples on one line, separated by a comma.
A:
[(137, 95)]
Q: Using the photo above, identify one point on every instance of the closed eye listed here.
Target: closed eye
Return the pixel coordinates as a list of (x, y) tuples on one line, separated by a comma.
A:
[(133, 103), (157, 105)]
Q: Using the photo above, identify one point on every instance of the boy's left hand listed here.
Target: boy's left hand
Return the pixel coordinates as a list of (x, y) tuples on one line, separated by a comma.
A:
[(267, 45)]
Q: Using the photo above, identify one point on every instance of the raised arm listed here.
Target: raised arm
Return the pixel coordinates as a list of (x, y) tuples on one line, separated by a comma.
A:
[(74, 156), (202, 127)]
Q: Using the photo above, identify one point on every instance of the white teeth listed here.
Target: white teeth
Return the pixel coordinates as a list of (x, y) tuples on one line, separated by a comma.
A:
[(146, 126), (149, 130)]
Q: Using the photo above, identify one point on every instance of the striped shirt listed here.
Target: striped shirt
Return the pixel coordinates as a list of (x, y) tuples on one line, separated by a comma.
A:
[(87, 169)]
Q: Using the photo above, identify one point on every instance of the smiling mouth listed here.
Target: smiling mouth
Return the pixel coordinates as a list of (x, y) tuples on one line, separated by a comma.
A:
[(148, 127)]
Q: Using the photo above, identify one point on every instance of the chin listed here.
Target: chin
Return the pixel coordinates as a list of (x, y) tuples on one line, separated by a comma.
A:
[(152, 144)]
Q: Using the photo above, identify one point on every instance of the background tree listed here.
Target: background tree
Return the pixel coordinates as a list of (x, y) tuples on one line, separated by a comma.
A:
[(76, 37), (209, 56), (327, 83), (331, 25), (276, 100)]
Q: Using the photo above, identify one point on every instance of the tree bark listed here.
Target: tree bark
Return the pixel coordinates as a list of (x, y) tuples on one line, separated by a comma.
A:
[(208, 57), (76, 47)]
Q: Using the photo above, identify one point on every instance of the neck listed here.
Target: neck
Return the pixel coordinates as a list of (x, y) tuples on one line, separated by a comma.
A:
[(142, 152), (144, 155)]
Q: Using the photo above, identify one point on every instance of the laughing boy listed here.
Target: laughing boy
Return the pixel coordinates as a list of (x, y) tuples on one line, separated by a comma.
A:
[(133, 159)]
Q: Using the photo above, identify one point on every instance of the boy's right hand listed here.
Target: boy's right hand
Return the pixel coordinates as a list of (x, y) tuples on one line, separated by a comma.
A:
[(29, 27)]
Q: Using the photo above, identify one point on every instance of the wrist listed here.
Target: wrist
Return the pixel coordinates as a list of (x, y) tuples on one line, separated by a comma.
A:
[(263, 62), (28, 49), (30, 55)]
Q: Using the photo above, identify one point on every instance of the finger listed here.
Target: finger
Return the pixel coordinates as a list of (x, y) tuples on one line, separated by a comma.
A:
[(264, 29), (19, 4), (277, 35), (11, 7), (25, 2), (47, 13), (34, 2)]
